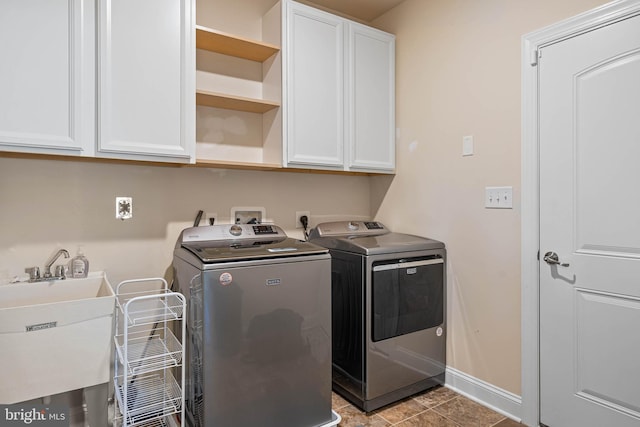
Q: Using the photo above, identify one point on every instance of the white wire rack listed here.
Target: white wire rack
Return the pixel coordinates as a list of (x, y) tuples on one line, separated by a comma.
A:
[(149, 350), (149, 379), (158, 307)]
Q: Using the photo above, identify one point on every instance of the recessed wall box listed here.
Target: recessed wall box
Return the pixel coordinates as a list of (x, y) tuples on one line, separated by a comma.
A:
[(248, 215)]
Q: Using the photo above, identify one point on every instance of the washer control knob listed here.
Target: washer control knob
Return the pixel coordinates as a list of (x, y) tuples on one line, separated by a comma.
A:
[(235, 230), (353, 225)]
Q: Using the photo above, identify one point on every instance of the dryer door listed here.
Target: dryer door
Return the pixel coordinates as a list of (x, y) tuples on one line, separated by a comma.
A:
[(405, 343), (407, 296)]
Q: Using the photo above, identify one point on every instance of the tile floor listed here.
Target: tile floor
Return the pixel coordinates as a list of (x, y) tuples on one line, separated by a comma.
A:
[(437, 407)]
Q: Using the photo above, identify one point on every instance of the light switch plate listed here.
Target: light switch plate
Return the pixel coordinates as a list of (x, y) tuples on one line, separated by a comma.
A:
[(467, 145), (498, 197)]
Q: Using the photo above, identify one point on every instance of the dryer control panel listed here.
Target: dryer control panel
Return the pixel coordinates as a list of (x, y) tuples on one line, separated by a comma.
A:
[(348, 228)]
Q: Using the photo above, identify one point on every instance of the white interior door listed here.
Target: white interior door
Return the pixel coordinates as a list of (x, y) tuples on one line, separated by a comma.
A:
[(589, 114)]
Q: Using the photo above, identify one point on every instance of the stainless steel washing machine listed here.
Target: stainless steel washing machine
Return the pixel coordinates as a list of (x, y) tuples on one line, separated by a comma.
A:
[(388, 311), (258, 344)]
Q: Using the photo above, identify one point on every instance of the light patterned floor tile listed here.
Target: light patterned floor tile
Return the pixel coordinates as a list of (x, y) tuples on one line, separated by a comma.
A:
[(353, 417), (435, 396), (401, 411), (427, 419), (468, 413)]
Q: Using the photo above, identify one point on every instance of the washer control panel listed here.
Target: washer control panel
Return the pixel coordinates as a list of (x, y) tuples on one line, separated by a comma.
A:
[(259, 230), (232, 232)]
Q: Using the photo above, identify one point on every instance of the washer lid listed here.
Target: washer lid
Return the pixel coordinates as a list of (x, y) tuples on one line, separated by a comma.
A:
[(249, 251), (223, 243)]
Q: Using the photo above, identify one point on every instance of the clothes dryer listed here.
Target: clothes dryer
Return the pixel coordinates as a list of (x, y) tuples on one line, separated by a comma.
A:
[(388, 311)]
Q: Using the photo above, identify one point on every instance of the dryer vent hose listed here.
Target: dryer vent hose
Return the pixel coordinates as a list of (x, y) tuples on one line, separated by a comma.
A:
[(198, 218)]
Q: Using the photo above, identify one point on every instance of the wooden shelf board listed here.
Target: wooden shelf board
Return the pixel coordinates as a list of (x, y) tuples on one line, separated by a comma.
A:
[(85, 159), (227, 164), (232, 102), (216, 41), (224, 164), (201, 163)]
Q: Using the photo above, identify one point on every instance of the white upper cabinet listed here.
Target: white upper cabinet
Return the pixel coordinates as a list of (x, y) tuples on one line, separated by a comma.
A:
[(46, 80), (314, 98), (146, 75), (134, 72), (339, 86), (371, 99)]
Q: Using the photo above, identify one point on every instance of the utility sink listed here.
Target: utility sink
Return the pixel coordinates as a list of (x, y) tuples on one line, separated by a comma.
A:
[(55, 336)]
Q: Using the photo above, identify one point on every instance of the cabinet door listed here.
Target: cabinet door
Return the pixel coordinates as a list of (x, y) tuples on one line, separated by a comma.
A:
[(314, 97), (146, 79), (371, 99), (46, 101)]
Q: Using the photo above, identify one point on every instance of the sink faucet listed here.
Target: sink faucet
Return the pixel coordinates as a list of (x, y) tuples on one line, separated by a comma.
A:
[(49, 263), (34, 272)]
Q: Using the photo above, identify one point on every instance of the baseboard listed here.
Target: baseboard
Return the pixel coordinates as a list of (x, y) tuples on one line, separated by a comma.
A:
[(501, 401)]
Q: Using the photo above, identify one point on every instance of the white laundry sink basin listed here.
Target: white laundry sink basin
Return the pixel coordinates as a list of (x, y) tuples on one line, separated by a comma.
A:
[(55, 336)]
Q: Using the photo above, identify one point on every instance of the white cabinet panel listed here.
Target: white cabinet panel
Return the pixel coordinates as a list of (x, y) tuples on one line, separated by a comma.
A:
[(371, 98), (145, 89), (314, 95), (339, 86), (146, 79), (45, 81)]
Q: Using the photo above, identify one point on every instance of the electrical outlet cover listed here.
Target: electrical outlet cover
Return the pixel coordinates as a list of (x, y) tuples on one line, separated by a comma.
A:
[(124, 208), (211, 216)]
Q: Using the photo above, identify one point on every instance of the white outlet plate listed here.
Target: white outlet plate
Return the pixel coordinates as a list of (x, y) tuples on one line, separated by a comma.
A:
[(498, 197), (300, 214), (124, 208), (209, 216)]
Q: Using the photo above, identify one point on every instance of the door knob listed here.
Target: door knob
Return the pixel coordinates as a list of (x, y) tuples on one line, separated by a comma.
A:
[(551, 258)]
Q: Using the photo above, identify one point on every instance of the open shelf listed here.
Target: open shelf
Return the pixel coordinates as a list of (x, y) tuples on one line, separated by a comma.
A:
[(232, 102), (147, 352), (148, 397), (244, 76), (228, 164), (161, 307), (226, 44)]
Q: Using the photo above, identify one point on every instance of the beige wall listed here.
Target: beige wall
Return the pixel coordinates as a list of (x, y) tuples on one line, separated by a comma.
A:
[(49, 204), (457, 74)]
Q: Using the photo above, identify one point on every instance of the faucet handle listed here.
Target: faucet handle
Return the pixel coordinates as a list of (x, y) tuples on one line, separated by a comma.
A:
[(60, 272), (34, 272)]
